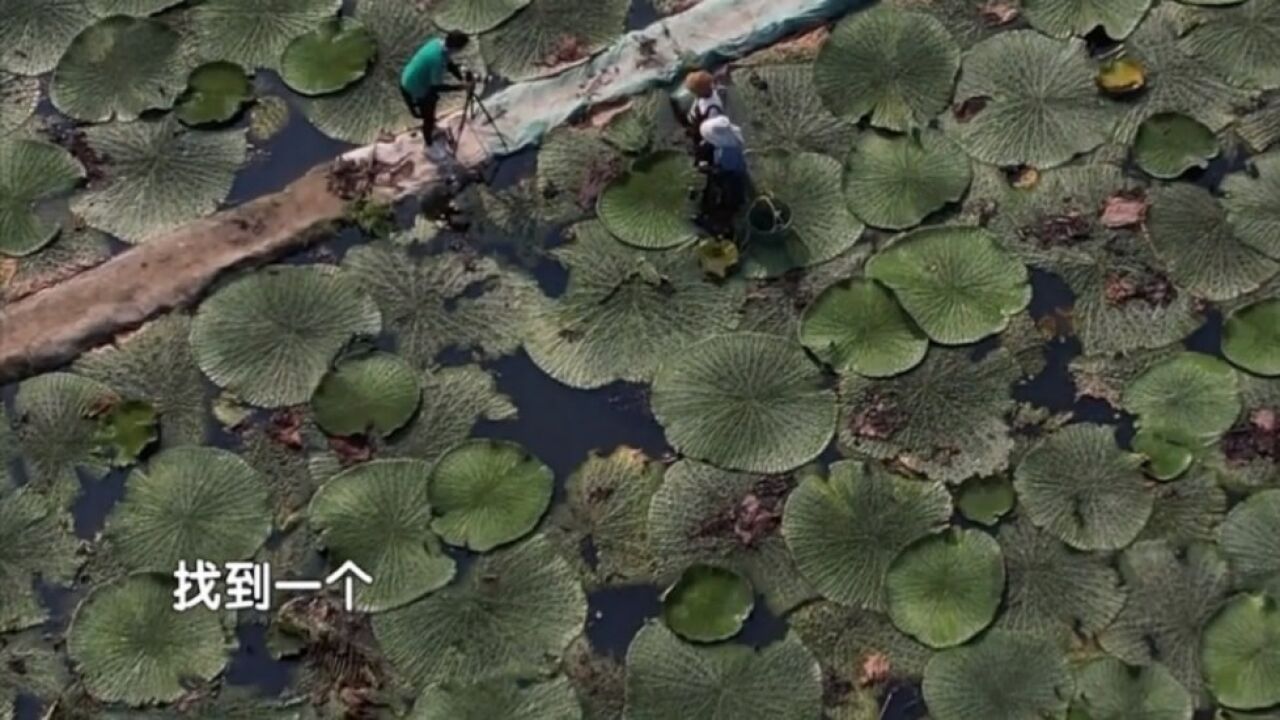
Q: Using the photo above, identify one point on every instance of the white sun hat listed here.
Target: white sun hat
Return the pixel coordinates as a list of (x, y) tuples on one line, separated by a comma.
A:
[(720, 132)]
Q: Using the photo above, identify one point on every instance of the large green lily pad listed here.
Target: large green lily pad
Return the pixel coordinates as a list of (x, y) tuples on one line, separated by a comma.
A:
[(946, 588), (488, 493), (216, 93), (857, 326), (1107, 689), (1002, 676), (35, 542), (36, 33), (707, 604), (1241, 652), (31, 171), (119, 68), (1250, 200), (376, 394), (55, 424), (1170, 144), (474, 16), (19, 96), (650, 205), (329, 58), (1190, 399), (254, 33), (1064, 18), (499, 698), (1240, 42), (1251, 338), (778, 106), (1250, 539), (547, 35), (894, 182)]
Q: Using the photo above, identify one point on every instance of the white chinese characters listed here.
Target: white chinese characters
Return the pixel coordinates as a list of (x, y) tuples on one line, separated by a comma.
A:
[(247, 585)]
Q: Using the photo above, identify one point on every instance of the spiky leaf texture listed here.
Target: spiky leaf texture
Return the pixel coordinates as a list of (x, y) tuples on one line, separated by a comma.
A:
[(1240, 42), (189, 504), (376, 393), (131, 646), (857, 326), (1170, 144), (36, 33), (1241, 652), (444, 301), (955, 282), (31, 171), (160, 176), (35, 542), (1064, 18), (669, 678), (1042, 107), (1002, 676), (574, 167), (945, 418), (254, 33), (1251, 541), (845, 529), (499, 698), (745, 401), (821, 226), (32, 668), (625, 311), (1055, 592), (1082, 488), (649, 206), (547, 34), (119, 68), (512, 613), (55, 430), (778, 106), (844, 638), (474, 16), (894, 182), (1188, 510), (898, 67), (238, 341), (946, 588), (488, 493), (1107, 689), (1250, 200), (1191, 399), (702, 514), (378, 515), (454, 399), (1172, 594), (19, 96), (155, 364)]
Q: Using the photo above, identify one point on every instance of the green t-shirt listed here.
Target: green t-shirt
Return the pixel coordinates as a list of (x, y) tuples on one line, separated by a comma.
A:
[(425, 69)]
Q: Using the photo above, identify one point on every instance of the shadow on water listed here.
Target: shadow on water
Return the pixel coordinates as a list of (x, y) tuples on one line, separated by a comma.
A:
[(96, 501), (641, 15), (253, 664), (615, 615)]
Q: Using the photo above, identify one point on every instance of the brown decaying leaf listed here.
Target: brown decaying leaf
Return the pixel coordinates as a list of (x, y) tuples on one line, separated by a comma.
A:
[(350, 450), (1258, 437), (756, 516), (998, 13), (1064, 229), (1150, 286), (967, 110), (285, 428), (567, 49), (878, 419), (1125, 209)]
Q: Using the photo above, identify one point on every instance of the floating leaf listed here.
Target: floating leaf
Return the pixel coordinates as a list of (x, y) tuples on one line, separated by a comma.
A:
[(216, 92), (701, 514), (1055, 592), (574, 167), (378, 515), (1170, 144), (1063, 18), (1250, 538), (160, 177), (19, 96), (945, 589), (985, 500), (329, 58), (189, 504), (1107, 689), (624, 312), (1252, 206), (1190, 399), (779, 107), (707, 604), (37, 32), (945, 418), (512, 613), (857, 326), (650, 205), (1122, 76), (1172, 593), (1187, 511), (1166, 459), (1082, 488), (255, 33), (899, 67), (845, 530), (131, 646), (1240, 43), (955, 282), (1241, 652), (1251, 340), (499, 698), (377, 393), (1190, 233), (805, 187), (119, 68), (237, 338), (454, 399), (35, 542), (125, 432), (895, 182), (548, 34), (488, 493), (843, 637), (31, 171), (474, 16), (55, 427), (1002, 676), (668, 678), (745, 401), (1041, 105)]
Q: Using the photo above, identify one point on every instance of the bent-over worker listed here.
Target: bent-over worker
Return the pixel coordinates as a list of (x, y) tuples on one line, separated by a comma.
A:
[(422, 79), (727, 181)]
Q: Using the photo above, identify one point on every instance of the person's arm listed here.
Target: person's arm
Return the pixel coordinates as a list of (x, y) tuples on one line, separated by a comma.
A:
[(454, 69)]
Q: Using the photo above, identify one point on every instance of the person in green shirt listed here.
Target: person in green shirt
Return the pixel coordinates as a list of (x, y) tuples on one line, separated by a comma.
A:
[(422, 79)]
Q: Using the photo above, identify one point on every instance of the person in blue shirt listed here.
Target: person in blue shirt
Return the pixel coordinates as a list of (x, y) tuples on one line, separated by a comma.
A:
[(727, 179), (422, 79)]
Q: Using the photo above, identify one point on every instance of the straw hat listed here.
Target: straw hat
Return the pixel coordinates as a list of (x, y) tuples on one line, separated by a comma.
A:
[(700, 83)]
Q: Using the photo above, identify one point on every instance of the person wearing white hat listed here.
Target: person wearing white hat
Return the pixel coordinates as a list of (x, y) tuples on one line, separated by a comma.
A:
[(726, 173)]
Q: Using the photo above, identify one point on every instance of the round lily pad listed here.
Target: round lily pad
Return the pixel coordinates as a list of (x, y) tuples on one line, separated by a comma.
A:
[(894, 182), (608, 499), (474, 16), (131, 646), (845, 530), (1063, 18), (238, 342), (985, 500), (254, 33), (1251, 338), (1081, 487), (956, 282), (746, 401), (857, 326), (35, 33), (1251, 202), (31, 171), (488, 493), (1240, 42), (946, 588), (1107, 689), (1002, 676), (650, 205), (1241, 652), (119, 68), (55, 429), (216, 92), (1170, 144), (1250, 538), (189, 504), (1166, 459), (499, 698), (707, 604), (376, 393), (669, 678), (378, 515), (1025, 99), (329, 58), (1190, 399), (898, 67), (778, 107)]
